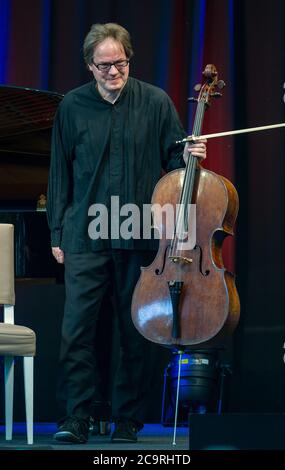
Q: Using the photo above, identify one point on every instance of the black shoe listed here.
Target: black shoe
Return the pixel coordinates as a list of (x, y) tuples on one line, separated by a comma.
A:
[(73, 429), (125, 431)]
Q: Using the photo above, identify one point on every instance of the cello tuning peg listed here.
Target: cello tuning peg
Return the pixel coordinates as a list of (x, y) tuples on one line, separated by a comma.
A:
[(221, 84), (192, 99), (197, 87)]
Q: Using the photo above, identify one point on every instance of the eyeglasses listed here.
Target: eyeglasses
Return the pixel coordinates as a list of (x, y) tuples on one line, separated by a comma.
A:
[(119, 64)]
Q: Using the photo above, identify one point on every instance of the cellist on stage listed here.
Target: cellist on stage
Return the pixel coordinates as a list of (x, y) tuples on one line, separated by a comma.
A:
[(111, 138)]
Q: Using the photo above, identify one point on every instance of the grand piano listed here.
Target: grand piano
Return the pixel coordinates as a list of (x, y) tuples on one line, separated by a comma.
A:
[(26, 119)]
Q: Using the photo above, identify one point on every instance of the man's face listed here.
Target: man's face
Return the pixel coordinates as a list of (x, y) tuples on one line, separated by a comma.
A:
[(113, 80)]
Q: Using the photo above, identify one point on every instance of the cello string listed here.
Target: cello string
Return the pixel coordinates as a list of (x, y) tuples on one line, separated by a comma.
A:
[(192, 172), (181, 226), (191, 160), (187, 188)]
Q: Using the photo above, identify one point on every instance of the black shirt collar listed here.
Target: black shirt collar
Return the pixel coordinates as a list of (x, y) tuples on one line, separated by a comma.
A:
[(99, 97)]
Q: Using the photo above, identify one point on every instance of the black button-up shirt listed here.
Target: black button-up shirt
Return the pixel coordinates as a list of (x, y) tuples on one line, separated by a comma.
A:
[(100, 150)]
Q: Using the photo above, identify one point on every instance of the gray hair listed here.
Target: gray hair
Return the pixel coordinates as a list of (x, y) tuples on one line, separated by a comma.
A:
[(99, 32)]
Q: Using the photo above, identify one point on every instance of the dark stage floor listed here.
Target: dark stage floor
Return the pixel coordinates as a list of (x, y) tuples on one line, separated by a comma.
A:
[(151, 437)]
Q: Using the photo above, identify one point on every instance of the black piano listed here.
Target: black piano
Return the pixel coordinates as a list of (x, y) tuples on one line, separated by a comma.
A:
[(26, 119)]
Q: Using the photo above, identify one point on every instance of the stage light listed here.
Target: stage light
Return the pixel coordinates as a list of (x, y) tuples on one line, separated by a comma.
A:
[(200, 385)]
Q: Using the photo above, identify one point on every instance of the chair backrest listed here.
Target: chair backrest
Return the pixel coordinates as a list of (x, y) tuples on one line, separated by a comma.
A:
[(15, 340), (7, 282)]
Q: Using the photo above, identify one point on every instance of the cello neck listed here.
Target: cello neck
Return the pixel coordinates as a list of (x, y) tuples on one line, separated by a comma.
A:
[(206, 92)]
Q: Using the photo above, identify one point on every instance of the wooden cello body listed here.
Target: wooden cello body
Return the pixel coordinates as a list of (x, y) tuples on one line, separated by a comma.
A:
[(186, 297)]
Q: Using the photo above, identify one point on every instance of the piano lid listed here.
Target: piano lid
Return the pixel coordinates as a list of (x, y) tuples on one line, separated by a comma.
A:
[(26, 119)]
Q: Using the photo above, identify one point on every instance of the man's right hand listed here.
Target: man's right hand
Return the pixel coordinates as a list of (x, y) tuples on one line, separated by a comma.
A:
[(58, 254)]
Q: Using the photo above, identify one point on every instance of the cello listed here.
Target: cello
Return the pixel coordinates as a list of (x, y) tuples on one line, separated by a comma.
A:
[(186, 297)]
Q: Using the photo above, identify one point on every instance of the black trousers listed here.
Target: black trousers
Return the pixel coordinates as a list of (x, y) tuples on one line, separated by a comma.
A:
[(88, 276)]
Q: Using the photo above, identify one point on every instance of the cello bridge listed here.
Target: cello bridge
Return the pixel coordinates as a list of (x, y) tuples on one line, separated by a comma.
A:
[(181, 259)]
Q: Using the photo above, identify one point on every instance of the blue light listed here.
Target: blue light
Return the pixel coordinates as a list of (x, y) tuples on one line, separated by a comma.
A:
[(163, 53), (4, 38)]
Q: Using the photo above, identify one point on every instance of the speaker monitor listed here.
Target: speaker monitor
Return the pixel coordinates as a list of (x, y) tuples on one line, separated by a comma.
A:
[(237, 431)]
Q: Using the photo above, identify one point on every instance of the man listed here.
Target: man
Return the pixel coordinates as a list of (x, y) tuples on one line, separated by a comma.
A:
[(111, 138)]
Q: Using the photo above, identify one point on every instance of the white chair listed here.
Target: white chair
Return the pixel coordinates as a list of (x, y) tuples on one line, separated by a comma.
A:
[(15, 340)]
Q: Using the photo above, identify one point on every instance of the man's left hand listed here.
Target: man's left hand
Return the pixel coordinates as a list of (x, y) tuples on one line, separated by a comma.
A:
[(198, 149)]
